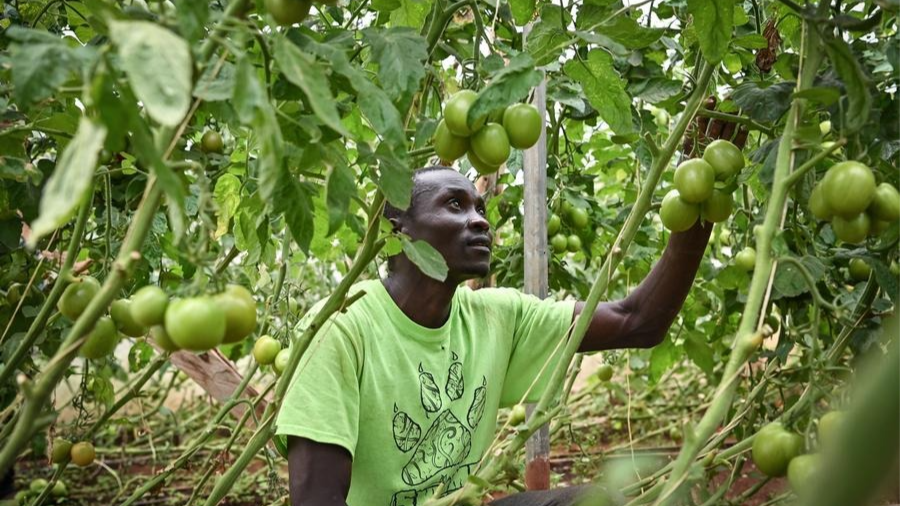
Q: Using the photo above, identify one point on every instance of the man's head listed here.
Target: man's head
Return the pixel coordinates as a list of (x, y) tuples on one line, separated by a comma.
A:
[(447, 212)]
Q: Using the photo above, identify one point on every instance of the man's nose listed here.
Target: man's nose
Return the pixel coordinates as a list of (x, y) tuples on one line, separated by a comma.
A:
[(477, 221)]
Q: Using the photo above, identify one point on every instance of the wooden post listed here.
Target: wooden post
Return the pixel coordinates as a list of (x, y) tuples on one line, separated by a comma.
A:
[(537, 467)]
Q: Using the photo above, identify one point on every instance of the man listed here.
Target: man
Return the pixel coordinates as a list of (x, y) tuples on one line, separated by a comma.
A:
[(400, 392)]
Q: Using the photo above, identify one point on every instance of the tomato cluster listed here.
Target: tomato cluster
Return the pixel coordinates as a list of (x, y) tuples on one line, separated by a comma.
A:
[(701, 188), (37, 486), (487, 140), (777, 451), (856, 207), (575, 219), (198, 323)]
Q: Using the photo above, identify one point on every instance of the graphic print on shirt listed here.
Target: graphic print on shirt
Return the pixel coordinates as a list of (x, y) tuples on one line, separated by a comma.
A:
[(442, 450)]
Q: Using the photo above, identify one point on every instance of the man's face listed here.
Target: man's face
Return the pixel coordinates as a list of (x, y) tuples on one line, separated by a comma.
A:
[(449, 214)]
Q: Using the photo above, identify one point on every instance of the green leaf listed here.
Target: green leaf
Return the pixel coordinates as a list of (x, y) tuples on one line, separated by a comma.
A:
[(700, 352), (374, 103), (295, 200), (228, 197), (68, 187), (508, 85), (40, 65), (751, 41), (254, 109), (522, 11), (147, 152), (411, 13), (859, 100), (604, 88), (820, 95), (662, 358), (426, 258), (216, 83), (158, 65), (192, 17), (656, 89), (763, 102), (340, 188), (627, 32), (546, 41), (305, 72), (400, 54), (395, 176), (713, 20), (789, 281)]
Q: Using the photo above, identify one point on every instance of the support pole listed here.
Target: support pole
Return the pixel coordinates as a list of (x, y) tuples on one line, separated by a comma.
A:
[(537, 467)]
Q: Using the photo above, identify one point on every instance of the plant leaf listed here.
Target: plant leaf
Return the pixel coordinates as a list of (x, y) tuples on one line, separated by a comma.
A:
[(305, 72), (508, 85), (400, 53), (426, 258), (859, 100), (713, 20), (68, 186), (158, 65), (604, 88), (340, 188)]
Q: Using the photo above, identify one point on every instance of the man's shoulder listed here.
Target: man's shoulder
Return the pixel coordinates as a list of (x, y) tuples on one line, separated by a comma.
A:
[(361, 307)]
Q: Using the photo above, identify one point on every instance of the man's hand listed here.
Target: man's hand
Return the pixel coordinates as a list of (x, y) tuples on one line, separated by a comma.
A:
[(704, 130), (642, 319)]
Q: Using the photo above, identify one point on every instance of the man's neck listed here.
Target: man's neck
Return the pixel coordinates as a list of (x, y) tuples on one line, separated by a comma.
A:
[(424, 300)]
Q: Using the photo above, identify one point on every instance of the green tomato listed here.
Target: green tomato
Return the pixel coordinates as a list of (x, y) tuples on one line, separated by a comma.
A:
[(718, 207), (120, 311), (491, 144), (553, 225), (745, 260), (694, 180), (523, 125), (818, 205), (604, 372), (77, 296), (456, 114), (281, 361), (676, 214), (579, 219), (877, 227), (148, 305), (162, 339), (829, 424), (480, 166), (38, 485), (774, 447), (849, 188), (447, 146), (559, 243), (886, 203), (196, 323), (517, 415), (573, 243), (859, 269), (801, 471), (59, 489), (853, 230), (288, 12), (240, 313), (725, 158), (265, 349), (82, 454), (59, 453), (211, 142), (102, 340), (895, 268), (825, 127)]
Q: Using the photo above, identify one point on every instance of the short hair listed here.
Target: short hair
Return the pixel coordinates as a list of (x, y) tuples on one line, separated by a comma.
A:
[(393, 212)]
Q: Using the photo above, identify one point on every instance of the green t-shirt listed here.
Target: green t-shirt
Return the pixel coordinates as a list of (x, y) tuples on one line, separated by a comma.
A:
[(417, 406)]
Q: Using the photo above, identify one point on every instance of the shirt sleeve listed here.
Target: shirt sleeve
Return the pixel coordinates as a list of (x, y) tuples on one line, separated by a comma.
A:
[(541, 329), (322, 401)]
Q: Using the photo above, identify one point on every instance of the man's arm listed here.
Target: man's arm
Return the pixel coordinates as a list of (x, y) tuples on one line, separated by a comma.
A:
[(319, 473), (642, 319)]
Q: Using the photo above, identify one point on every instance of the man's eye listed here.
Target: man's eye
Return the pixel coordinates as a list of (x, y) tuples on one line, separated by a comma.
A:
[(454, 203), (482, 211)]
